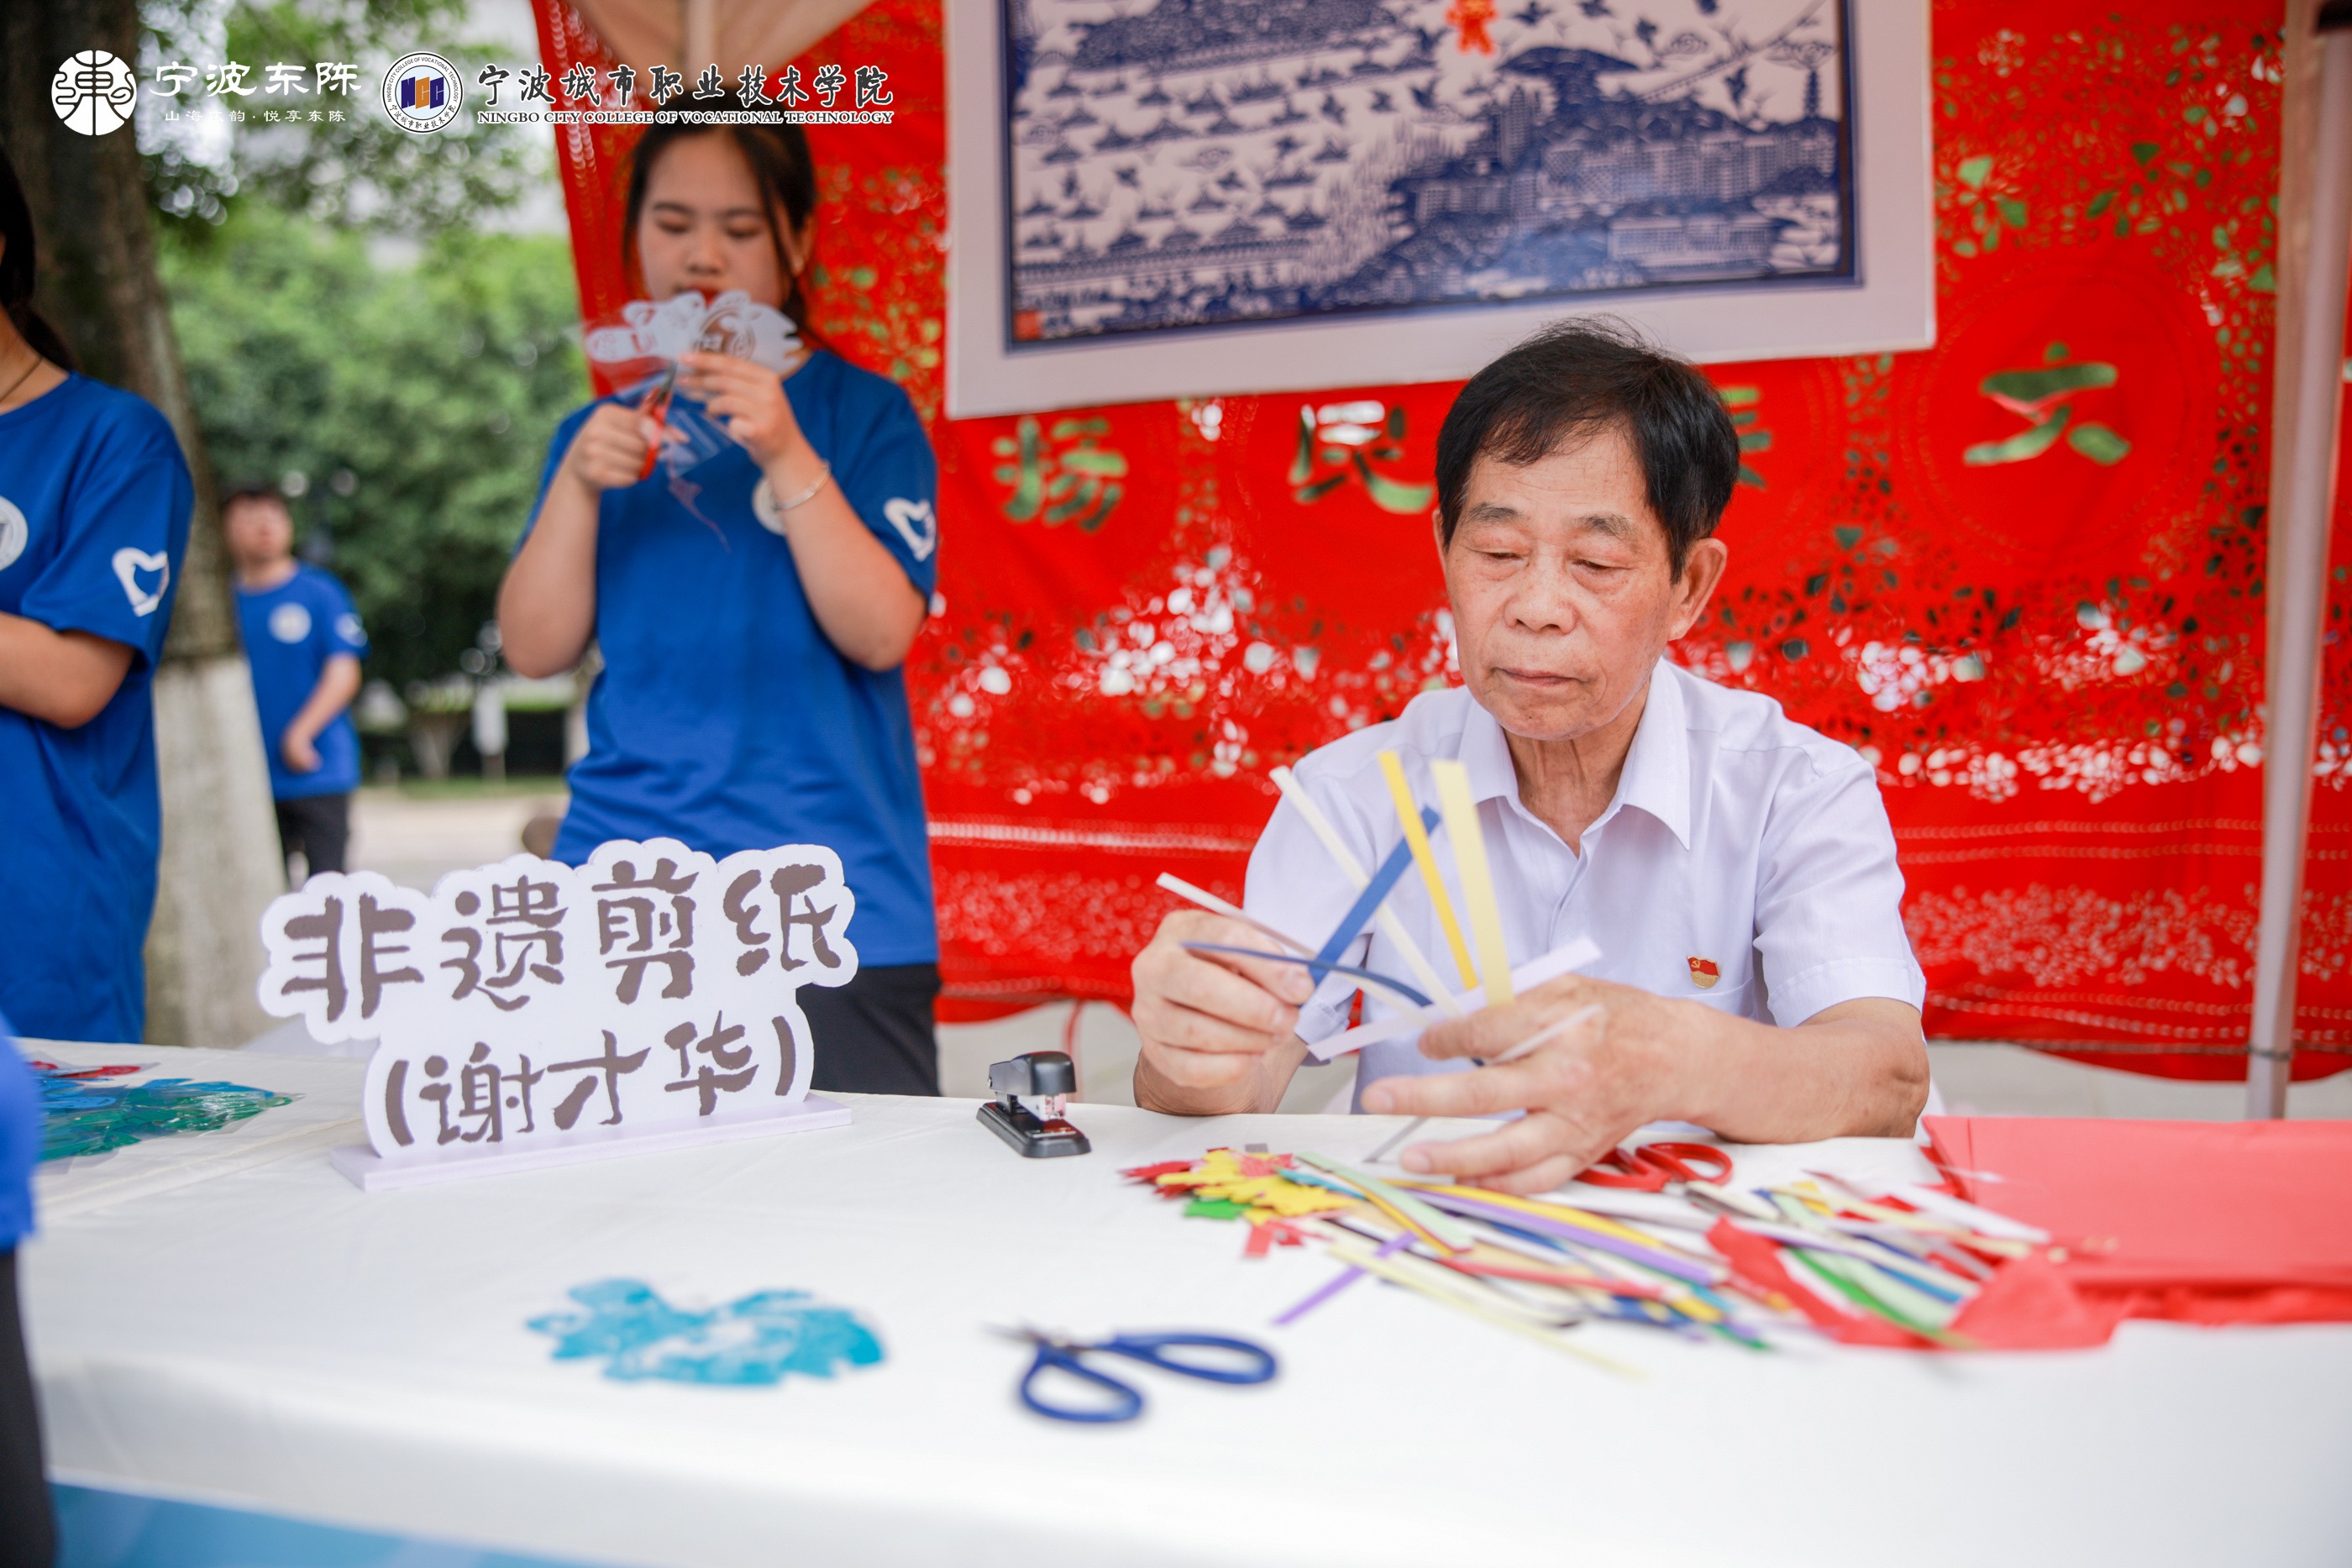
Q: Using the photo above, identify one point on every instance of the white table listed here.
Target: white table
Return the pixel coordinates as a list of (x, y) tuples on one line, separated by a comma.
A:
[(226, 1319)]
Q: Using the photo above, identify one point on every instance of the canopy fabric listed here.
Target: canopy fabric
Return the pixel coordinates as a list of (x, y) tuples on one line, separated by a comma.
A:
[(2052, 652)]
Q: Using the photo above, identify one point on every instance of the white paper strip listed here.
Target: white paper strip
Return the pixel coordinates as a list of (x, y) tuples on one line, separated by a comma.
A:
[(1564, 960)]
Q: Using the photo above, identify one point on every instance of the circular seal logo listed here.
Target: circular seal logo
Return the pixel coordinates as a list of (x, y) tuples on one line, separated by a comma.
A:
[(94, 92), (290, 623), (13, 533), (422, 92)]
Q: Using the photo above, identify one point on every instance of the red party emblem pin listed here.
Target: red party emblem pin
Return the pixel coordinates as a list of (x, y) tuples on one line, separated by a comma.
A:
[(1703, 973)]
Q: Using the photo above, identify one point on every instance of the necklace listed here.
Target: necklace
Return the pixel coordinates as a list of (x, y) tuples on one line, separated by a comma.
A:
[(20, 381)]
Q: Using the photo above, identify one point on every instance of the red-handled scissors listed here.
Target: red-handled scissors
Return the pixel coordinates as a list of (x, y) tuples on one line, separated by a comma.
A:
[(656, 407), (1651, 1166)]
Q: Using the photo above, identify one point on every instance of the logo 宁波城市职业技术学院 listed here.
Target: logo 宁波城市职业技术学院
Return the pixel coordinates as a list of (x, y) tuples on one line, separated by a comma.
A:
[(422, 92), (94, 92)]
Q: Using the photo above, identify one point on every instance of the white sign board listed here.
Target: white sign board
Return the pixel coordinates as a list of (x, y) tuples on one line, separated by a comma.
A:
[(532, 1013)]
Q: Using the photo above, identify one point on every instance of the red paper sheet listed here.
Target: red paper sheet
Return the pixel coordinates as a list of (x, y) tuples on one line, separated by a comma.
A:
[(2199, 1222), (2185, 1203)]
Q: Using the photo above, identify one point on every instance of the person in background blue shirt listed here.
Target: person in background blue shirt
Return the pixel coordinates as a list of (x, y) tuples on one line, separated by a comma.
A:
[(304, 641), (27, 1526), (752, 635), (94, 499)]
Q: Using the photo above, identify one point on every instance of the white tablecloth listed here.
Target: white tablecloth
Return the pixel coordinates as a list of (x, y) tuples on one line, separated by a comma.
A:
[(225, 1318)]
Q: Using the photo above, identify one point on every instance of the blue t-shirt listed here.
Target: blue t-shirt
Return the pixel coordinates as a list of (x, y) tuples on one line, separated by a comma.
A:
[(94, 499), (291, 633), (724, 717), (20, 1140)]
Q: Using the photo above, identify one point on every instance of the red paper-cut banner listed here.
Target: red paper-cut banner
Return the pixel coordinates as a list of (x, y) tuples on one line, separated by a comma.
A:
[(2021, 571)]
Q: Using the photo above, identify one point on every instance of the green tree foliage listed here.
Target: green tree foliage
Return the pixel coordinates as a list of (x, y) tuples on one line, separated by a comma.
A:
[(363, 170), (436, 384)]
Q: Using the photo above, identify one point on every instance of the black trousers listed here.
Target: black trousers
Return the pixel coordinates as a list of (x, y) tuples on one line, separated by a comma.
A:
[(874, 1035), (318, 825), (28, 1529)]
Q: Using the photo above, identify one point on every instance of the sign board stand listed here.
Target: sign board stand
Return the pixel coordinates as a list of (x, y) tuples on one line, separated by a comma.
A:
[(533, 1014), (371, 1172)]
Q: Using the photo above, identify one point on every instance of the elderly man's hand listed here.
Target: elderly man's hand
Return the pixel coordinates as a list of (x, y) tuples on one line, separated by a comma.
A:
[(1220, 1031), (1584, 1090)]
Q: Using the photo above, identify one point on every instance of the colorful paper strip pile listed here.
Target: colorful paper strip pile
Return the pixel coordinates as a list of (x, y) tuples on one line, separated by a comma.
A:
[(1749, 1265)]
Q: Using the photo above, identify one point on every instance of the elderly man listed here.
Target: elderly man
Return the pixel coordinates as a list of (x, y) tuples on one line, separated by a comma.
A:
[(1735, 868)]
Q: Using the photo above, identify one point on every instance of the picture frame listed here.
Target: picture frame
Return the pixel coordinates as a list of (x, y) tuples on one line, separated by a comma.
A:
[(1149, 202)]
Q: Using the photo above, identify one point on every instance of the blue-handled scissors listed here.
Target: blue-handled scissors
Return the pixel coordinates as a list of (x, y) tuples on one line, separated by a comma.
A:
[(1229, 1361)]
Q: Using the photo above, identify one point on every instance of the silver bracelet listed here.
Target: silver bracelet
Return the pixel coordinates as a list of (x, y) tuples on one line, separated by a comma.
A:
[(824, 477)]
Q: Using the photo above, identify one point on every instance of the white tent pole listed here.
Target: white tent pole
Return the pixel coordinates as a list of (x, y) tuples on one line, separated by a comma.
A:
[(2315, 259)]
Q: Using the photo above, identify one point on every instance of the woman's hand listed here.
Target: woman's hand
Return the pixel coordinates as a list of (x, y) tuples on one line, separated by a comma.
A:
[(609, 452), (749, 402)]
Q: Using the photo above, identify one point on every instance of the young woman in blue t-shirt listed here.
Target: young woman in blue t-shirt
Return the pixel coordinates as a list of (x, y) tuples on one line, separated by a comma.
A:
[(752, 620), (94, 499)]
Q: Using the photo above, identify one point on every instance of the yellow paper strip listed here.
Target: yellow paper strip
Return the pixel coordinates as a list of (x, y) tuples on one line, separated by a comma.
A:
[(1407, 812), (1461, 814)]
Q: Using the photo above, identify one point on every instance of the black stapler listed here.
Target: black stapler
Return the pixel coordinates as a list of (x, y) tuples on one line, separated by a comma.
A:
[(1048, 1075)]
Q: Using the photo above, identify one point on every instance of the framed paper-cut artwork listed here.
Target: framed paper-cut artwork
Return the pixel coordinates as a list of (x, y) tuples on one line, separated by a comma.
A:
[(1167, 198)]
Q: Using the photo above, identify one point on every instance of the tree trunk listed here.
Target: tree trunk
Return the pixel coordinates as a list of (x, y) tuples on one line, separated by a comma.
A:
[(99, 285)]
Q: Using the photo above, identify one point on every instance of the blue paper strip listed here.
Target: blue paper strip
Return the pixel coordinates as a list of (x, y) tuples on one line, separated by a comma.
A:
[(1316, 967), (1384, 880)]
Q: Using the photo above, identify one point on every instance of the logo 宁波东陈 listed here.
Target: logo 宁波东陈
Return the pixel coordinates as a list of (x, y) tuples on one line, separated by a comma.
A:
[(422, 92), (94, 92)]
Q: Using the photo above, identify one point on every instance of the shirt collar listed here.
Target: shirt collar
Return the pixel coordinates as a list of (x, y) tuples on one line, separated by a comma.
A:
[(1657, 765)]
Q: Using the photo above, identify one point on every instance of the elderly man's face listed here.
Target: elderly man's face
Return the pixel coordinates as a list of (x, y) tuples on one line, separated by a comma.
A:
[(1563, 594)]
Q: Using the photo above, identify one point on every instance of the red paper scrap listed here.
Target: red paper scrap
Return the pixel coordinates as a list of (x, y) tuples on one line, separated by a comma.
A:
[(1757, 1268), (2159, 1203), (2199, 1222)]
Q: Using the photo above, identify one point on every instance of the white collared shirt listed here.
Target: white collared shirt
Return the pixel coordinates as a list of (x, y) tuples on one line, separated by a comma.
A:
[(1738, 838)]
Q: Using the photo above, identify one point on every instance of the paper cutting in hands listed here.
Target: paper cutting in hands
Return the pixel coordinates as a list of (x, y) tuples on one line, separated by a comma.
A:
[(641, 348), (648, 336)]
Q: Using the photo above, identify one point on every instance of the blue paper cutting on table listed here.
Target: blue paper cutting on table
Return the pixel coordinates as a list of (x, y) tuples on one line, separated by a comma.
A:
[(755, 1341), (83, 1113)]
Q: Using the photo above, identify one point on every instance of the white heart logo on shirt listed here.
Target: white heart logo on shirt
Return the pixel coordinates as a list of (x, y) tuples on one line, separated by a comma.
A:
[(290, 623), (128, 563), (764, 507), (915, 523), (14, 533)]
